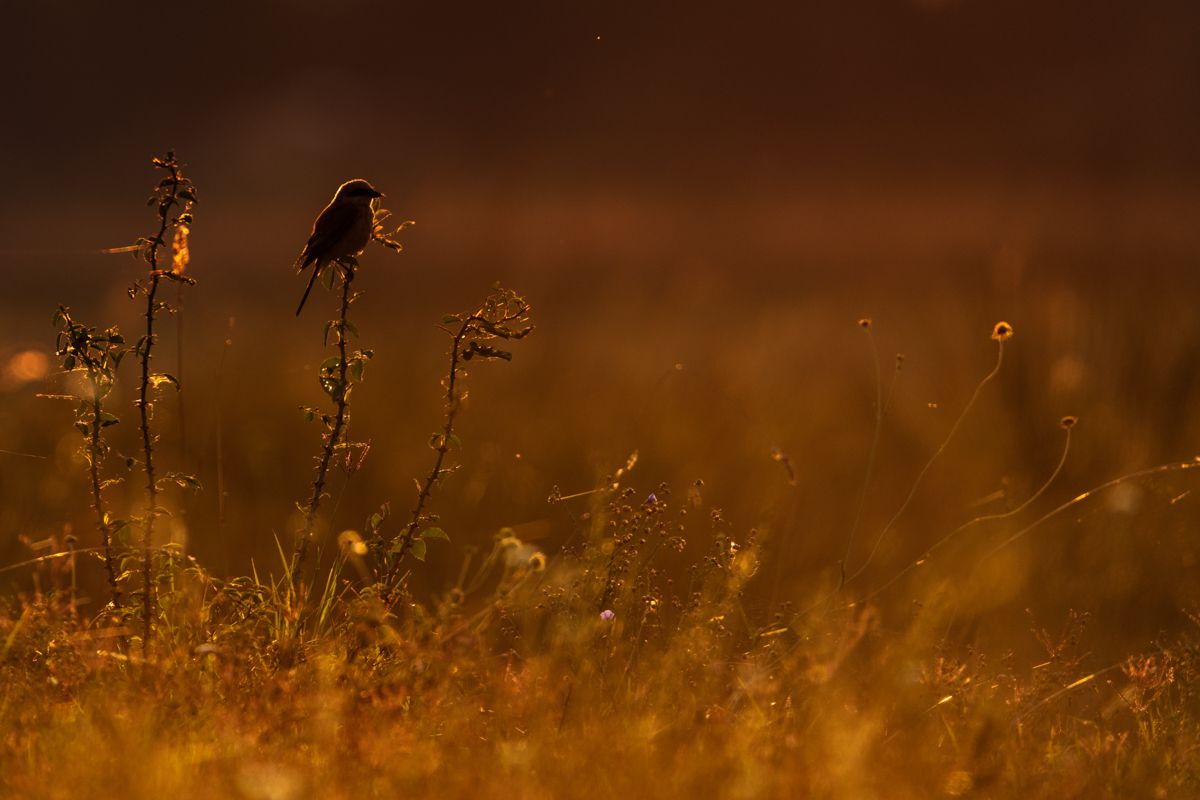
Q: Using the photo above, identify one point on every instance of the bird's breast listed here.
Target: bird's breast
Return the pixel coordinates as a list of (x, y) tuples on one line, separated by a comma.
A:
[(356, 235)]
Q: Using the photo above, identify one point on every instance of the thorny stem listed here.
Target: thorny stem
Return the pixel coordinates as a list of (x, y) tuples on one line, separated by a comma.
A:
[(443, 447), (97, 450), (164, 208), (474, 324), (335, 433), (148, 465)]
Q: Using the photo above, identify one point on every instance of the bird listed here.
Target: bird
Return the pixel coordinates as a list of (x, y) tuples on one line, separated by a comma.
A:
[(342, 230)]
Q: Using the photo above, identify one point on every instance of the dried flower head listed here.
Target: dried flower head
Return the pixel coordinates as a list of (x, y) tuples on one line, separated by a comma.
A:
[(1002, 332), (1068, 422)]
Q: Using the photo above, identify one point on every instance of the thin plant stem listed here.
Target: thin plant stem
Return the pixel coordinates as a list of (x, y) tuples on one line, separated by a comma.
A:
[(490, 321), (341, 400), (929, 464), (174, 190), (442, 448), (97, 454), (866, 482), (148, 453), (846, 579), (167, 201), (1058, 468)]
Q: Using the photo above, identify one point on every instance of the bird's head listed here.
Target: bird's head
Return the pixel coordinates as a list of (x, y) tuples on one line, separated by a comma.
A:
[(357, 191)]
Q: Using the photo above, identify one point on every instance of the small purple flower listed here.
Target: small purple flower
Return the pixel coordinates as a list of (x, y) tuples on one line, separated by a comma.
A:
[(607, 614), (652, 499)]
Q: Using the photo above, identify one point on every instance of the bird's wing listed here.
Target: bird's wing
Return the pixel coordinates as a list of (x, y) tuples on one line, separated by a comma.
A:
[(331, 227)]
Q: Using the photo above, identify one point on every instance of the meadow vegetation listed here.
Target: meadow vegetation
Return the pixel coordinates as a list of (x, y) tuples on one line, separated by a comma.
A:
[(660, 648)]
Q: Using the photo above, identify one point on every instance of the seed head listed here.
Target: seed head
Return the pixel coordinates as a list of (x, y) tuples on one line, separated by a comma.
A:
[(1002, 332)]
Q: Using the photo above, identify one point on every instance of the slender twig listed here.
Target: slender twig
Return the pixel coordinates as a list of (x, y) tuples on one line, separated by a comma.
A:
[(490, 321), (333, 438), (96, 456), (167, 200), (148, 464), (443, 447), (99, 355)]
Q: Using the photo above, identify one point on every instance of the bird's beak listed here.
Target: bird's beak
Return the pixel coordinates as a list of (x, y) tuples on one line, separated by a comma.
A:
[(377, 193)]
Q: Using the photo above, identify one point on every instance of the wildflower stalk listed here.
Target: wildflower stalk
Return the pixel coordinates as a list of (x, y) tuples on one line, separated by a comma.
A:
[(338, 374), (173, 190), (337, 385), (99, 354), (148, 450), (441, 447), (96, 451), (503, 315)]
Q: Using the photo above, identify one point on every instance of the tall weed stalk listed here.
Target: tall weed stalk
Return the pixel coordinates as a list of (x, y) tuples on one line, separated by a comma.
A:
[(172, 200)]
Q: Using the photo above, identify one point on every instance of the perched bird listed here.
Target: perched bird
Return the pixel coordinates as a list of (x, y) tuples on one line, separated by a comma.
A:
[(342, 230)]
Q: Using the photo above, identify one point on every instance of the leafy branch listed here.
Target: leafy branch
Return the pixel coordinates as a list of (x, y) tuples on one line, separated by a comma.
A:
[(380, 233)]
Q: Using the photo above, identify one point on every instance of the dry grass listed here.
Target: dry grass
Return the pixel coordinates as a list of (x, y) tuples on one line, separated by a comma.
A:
[(515, 684)]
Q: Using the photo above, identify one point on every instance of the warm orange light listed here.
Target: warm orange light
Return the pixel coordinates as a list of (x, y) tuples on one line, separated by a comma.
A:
[(26, 366), (180, 254)]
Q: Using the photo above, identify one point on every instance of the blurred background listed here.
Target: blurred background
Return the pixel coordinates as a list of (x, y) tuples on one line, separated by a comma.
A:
[(701, 201)]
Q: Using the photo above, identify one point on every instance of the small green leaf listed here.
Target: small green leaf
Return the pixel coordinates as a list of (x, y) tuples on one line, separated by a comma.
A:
[(434, 533), (183, 480), (417, 548), (159, 378)]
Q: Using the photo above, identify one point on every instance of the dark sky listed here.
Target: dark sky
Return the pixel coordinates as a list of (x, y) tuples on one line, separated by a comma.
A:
[(799, 120)]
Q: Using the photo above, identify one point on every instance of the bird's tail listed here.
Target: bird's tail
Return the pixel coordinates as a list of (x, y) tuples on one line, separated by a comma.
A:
[(312, 279)]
